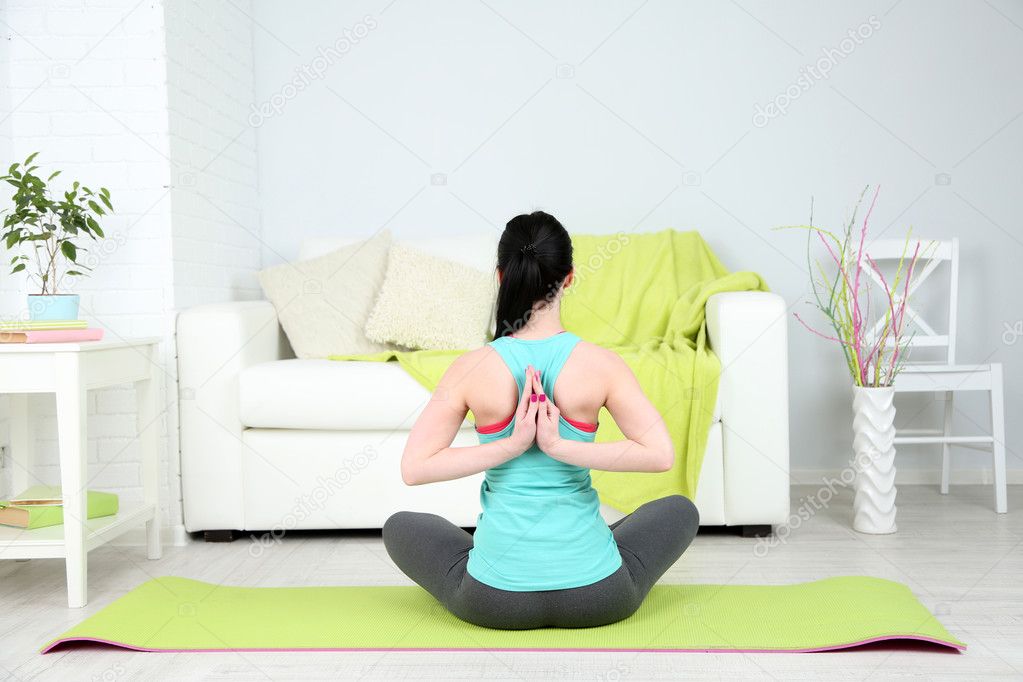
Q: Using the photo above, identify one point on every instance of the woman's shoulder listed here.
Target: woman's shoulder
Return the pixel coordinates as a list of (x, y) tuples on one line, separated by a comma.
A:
[(471, 376), (587, 378), (598, 358), (594, 352), (473, 360)]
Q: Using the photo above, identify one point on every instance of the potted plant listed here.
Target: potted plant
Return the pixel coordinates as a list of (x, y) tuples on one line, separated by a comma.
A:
[(51, 231), (874, 355)]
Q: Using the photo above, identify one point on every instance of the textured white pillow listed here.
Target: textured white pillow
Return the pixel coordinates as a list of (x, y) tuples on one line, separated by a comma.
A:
[(323, 303), (431, 303)]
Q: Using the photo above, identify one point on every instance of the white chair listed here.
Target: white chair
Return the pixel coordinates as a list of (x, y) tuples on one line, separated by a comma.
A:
[(944, 375)]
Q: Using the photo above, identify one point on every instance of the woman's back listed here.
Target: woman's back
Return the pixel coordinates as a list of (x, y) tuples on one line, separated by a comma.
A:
[(540, 528), (581, 389)]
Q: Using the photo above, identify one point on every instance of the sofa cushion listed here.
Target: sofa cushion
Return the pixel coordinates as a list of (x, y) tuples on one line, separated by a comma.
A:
[(432, 303), (476, 249), (335, 396), (329, 394), (323, 302)]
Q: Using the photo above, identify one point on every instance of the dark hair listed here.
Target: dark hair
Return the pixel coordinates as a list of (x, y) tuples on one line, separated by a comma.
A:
[(534, 257)]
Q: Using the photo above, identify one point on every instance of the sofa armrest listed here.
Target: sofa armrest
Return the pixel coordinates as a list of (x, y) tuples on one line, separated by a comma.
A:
[(215, 343), (748, 332)]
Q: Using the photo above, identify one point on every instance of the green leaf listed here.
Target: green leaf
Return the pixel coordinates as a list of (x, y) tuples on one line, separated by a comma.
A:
[(53, 175), (95, 207), (75, 272), (106, 200), (69, 251), (31, 156), (18, 268), (14, 167)]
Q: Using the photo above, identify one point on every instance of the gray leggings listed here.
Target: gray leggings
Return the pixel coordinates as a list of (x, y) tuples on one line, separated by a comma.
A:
[(434, 552)]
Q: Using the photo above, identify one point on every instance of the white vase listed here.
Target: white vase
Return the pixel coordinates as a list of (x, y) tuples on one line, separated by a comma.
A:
[(874, 459)]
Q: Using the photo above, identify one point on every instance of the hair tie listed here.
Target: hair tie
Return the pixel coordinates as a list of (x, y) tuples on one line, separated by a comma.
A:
[(529, 248)]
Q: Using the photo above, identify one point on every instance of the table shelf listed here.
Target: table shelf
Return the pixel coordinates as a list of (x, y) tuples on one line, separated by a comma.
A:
[(48, 542)]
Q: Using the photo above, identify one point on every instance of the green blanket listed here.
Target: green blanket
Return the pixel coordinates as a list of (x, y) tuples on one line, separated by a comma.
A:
[(642, 295)]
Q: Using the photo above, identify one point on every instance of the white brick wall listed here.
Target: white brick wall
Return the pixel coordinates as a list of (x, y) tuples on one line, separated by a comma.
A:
[(215, 249), (149, 100), (5, 147), (213, 148)]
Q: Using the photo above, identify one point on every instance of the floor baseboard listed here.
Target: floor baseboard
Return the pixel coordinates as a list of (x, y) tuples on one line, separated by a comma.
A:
[(912, 476)]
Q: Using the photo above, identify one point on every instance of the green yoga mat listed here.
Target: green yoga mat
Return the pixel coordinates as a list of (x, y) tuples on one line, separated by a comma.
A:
[(178, 614)]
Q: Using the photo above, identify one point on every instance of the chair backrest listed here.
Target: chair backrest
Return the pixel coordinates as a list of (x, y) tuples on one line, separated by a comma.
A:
[(932, 255)]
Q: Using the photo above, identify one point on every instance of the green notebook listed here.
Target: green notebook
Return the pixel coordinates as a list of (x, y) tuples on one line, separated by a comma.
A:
[(25, 325), (40, 506)]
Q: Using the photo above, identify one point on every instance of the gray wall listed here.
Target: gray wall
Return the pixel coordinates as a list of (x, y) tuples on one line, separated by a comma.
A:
[(454, 116)]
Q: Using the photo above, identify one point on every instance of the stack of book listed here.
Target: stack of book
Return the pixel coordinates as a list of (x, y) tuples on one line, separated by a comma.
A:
[(47, 331), (42, 506)]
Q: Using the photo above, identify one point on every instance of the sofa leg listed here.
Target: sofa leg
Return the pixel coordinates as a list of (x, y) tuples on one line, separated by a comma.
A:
[(756, 531), (218, 535)]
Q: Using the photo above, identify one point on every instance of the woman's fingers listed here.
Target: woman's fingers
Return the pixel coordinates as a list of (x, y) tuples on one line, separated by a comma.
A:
[(553, 413), (538, 387), (533, 406), (527, 391)]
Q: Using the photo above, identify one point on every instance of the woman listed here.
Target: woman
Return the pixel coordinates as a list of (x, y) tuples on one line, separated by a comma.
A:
[(541, 556)]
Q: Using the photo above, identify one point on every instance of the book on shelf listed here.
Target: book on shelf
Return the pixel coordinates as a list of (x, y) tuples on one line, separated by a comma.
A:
[(29, 325), (42, 506), (51, 335)]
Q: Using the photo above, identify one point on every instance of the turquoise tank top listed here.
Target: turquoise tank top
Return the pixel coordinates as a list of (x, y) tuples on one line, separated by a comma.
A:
[(540, 526)]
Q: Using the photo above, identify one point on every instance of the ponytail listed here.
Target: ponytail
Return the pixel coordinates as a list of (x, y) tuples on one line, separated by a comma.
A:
[(534, 257)]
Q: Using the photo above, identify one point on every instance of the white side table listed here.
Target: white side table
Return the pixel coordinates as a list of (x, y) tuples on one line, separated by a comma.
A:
[(68, 370)]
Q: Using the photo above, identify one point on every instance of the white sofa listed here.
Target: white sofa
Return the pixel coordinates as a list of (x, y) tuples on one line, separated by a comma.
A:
[(273, 443)]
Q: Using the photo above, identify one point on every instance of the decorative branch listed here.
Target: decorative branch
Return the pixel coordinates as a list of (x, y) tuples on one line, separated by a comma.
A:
[(874, 358)]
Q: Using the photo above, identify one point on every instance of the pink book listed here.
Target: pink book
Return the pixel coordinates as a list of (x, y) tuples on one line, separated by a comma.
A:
[(51, 336)]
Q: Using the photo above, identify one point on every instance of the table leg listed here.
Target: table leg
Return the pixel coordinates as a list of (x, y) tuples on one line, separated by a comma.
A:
[(22, 444), (146, 395), (71, 438)]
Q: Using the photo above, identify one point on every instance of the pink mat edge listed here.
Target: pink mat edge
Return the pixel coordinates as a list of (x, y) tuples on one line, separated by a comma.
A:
[(958, 648)]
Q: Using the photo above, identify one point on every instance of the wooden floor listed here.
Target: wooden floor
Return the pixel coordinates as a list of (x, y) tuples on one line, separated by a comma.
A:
[(963, 561)]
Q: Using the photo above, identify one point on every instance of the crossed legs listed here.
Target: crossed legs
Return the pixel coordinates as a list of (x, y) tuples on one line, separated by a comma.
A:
[(434, 552)]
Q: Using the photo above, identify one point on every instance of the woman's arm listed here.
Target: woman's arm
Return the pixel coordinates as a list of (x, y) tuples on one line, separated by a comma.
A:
[(647, 446), (428, 455)]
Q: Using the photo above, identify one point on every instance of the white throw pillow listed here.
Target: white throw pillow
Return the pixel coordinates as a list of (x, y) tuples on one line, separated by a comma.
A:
[(431, 303), (323, 303)]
